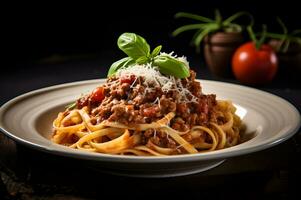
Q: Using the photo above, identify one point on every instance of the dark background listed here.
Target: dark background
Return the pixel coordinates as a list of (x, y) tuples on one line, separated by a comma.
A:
[(41, 31), (53, 42)]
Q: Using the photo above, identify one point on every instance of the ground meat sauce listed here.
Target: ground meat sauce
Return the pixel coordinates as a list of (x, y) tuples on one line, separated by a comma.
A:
[(128, 101)]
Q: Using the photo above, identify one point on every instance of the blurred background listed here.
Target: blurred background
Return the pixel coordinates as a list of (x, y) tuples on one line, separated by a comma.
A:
[(75, 30), (55, 42), (52, 42)]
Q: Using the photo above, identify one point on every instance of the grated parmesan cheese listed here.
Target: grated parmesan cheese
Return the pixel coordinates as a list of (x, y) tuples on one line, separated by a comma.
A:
[(157, 101), (153, 78)]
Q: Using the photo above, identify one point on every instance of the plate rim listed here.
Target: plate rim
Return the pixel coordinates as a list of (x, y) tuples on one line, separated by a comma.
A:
[(132, 159)]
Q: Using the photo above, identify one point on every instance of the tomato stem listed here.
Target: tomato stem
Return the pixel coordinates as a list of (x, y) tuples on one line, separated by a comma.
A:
[(252, 35), (263, 36), (261, 40)]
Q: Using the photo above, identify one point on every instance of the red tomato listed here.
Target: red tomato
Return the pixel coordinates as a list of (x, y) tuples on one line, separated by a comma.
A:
[(252, 66), (150, 112), (97, 95), (128, 79)]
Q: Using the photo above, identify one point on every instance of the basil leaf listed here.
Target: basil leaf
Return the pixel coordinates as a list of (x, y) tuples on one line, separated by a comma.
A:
[(133, 45), (156, 51), (170, 66), (124, 62), (142, 60), (71, 106)]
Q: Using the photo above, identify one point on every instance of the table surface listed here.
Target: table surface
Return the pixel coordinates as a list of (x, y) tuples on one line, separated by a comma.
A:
[(27, 174)]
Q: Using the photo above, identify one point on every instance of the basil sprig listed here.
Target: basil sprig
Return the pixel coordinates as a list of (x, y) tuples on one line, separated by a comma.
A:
[(124, 62), (171, 66), (138, 51), (133, 45)]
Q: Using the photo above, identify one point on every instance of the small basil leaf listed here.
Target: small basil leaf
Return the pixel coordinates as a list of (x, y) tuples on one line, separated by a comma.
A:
[(133, 45), (71, 106), (170, 66), (156, 51), (142, 60), (124, 62)]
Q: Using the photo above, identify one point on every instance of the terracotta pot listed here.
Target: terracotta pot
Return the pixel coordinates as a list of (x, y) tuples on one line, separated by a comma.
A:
[(290, 61), (219, 48)]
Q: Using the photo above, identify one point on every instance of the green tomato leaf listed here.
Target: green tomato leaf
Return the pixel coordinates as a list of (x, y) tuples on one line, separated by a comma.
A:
[(133, 45), (218, 16), (237, 15), (124, 62), (198, 39), (170, 66), (156, 51)]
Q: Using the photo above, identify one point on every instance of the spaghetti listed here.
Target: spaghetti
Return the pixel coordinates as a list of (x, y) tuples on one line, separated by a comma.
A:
[(141, 112)]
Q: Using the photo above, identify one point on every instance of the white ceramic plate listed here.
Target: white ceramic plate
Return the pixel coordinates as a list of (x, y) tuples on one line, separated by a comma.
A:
[(270, 120)]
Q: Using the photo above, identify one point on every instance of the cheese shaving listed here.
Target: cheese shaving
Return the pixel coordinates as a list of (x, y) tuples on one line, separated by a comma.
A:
[(153, 78)]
